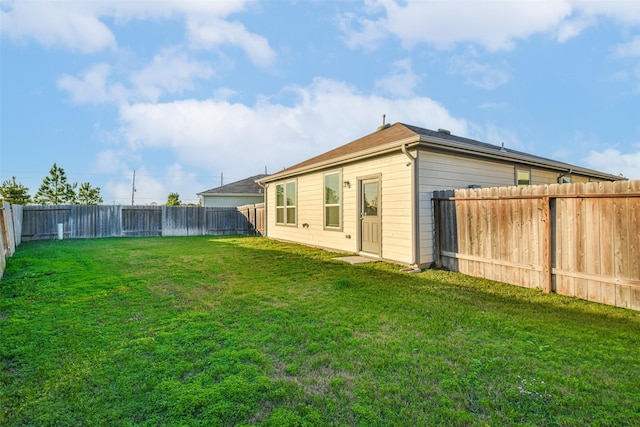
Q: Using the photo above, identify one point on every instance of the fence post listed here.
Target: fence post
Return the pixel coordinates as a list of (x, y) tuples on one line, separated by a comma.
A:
[(436, 229), (547, 246)]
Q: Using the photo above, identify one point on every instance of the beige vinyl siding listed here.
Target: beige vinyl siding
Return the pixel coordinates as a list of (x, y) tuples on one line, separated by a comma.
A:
[(439, 171), (582, 178), (395, 183), (541, 177)]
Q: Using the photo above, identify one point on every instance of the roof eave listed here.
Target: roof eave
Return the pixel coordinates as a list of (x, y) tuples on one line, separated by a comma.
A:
[(205, 194), (375, 151)]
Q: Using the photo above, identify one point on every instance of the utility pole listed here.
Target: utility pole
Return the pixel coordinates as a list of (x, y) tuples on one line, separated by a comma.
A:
[(221, 178), (133, 187)]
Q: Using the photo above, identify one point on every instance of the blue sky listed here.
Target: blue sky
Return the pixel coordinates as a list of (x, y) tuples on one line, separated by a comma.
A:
[(186, 92)]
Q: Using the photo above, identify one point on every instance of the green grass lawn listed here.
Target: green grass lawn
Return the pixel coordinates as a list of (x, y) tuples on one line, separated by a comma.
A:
[(243, 331)]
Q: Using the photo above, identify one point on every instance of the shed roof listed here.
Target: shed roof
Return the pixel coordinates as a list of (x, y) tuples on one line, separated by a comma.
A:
[(247, 186), (393, 137)]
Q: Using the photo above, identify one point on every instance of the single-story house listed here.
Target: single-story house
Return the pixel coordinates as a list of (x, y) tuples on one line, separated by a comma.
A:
[(373, 196), (239, 193)]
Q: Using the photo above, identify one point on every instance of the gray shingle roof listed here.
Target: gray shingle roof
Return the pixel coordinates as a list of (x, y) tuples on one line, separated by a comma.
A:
[(244, 186), (400, 133)]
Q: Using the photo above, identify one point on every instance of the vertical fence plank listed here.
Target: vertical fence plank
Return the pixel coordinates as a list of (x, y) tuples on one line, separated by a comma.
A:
[(40, 222), (575, 239), (592, 246)]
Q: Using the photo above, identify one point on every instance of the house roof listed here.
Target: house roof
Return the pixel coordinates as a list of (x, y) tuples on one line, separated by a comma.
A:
[(392, 138), (244, 187)]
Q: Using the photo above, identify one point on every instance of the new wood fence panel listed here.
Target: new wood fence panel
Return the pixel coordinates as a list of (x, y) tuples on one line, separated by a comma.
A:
[(254, 216), (579, 240)]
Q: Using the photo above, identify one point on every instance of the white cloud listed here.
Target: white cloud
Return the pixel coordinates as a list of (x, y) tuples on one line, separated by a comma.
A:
[(81, 25), (360, 32), (71, 25), (624, 11), (443, 24), (494, 25), (573, 27), (628, 50), (170, 72), (402, 80), (615, 162), (240, 140), (93, 86), (483, 75), (212, 32)]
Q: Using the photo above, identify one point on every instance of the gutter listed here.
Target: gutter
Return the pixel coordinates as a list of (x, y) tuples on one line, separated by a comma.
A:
[(415, 212)]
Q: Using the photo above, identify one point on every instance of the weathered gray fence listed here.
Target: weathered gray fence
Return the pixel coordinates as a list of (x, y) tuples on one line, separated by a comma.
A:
[(579, 240), (78, 221)]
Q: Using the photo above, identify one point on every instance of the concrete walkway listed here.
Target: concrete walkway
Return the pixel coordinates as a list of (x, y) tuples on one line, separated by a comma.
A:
[(357, 259)]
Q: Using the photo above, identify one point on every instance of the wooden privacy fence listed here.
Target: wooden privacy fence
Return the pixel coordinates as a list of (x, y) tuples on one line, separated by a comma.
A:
[(10, 231), (579, 240), (80, 221)]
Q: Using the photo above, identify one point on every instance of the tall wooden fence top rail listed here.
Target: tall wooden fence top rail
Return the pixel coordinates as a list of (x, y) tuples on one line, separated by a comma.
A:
[(542, 196), (589, 190)]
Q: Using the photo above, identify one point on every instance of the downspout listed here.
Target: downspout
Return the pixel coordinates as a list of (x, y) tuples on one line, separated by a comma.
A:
[(563, 174), (415, 222)]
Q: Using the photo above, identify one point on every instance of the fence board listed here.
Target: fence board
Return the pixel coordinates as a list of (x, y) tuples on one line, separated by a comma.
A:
[(40, 222), (578, 240), (8, 231)]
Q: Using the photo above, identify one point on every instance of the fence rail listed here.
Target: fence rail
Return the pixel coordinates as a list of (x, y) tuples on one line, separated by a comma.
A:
[(78, 221), (579, 240)]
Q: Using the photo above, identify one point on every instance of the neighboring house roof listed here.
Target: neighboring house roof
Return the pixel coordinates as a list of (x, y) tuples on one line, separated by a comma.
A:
[(391, 138), (244, 187)]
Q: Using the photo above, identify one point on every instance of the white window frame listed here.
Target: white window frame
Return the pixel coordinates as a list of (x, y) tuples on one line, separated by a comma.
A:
[(326, 205), (285, 206)]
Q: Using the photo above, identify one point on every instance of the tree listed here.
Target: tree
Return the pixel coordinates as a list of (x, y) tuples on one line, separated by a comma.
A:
[(15, 192), (88, 195), (55, 190), (173, 199)]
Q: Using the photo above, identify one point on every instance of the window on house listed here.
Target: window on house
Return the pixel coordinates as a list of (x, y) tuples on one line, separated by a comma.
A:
[(523, 177), (332, 200), (286, 203)]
